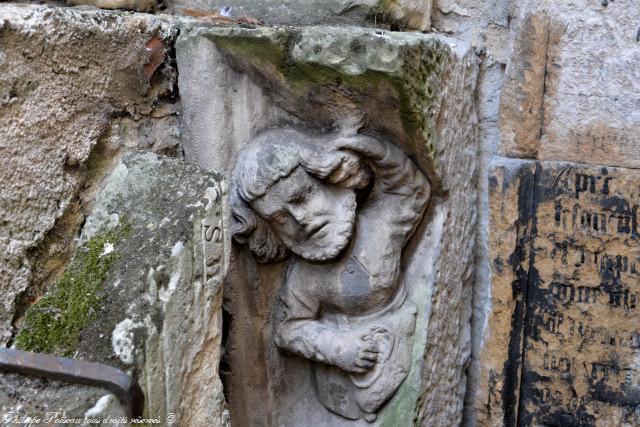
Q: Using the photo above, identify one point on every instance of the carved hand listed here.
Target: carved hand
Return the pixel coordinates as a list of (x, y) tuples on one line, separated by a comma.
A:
[(363, 145), (394, 170), (354, 351), (350, 173)]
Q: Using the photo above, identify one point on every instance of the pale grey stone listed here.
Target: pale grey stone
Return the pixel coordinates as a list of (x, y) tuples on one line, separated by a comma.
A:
[(108, 411), (162, 311)]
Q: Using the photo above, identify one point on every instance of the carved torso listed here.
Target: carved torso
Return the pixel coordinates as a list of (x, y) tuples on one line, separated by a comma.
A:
[(342, 302), (362, 280)]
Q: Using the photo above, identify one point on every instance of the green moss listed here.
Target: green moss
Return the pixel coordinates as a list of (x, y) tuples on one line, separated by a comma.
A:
[(403, 408), (420, 88), (53, 324), (301, 77), (259, 51), (417, 83)]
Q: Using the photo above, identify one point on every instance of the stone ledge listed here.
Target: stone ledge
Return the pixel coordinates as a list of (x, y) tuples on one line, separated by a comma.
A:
[(333, 76), (406, 14)]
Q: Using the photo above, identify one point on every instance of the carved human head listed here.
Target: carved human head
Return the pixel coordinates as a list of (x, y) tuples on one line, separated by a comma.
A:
[(295, 192)]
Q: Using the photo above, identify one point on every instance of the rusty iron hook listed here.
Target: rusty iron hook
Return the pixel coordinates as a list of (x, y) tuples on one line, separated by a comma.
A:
[(126, 388)]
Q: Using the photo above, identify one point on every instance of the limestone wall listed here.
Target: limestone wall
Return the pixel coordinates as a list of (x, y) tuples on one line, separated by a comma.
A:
[(521, 114), (557, 86)]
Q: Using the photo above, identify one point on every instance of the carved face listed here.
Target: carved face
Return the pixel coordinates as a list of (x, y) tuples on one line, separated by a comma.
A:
[(314, 219)]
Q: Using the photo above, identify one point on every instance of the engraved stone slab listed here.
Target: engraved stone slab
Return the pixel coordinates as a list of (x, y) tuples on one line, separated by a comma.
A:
[(574, 345), (581, 324)]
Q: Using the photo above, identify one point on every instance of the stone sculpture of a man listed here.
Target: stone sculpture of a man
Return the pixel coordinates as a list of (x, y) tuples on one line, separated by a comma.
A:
[(345, 207)]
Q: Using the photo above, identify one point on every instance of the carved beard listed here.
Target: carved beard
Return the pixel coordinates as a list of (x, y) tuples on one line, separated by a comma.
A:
[(336, 239)]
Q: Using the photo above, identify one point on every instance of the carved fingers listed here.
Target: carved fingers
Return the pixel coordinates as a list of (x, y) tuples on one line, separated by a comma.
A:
[(357, 354), (367, 355), (365, 360), (363, 145), (350, 173)]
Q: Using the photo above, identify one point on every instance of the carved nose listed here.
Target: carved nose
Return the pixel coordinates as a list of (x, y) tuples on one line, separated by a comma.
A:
[(298, 214)]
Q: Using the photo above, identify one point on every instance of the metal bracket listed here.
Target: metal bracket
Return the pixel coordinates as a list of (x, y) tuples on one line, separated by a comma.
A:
[(76, 371)]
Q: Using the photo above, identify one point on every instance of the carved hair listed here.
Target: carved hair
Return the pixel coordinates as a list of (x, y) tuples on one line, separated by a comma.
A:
[(261, 163)]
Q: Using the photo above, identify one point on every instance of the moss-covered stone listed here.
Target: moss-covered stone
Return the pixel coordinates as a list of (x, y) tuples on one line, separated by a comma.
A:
[(419, 89), (360, 67), (54, 323)]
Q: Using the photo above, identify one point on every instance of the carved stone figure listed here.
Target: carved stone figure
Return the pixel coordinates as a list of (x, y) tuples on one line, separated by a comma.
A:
[(345, 207)]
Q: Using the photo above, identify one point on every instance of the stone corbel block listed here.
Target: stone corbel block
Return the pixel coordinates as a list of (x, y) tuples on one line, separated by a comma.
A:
[(415, 91)]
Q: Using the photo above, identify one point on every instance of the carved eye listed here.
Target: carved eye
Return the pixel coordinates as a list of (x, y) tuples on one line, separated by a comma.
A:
[(279, 217), (303, 195), (299, 198)]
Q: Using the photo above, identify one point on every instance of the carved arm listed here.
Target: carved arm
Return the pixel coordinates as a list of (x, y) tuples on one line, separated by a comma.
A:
[(403, 186), (298, 332)]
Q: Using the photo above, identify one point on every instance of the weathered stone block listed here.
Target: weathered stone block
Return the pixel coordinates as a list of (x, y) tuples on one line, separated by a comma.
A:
[(572, 88), (155, 242), (406, 14), (64, 74), (137, 5), (522, 97), (497, 389), (410, 89), (564, 296)]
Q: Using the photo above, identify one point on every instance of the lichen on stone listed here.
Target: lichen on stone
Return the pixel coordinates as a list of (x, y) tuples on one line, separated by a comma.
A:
[(419, 89), (54, 323)]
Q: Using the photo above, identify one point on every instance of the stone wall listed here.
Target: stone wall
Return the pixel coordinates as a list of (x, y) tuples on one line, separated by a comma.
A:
[(102, 249), (60, 94), (520, 113), (564, 92)]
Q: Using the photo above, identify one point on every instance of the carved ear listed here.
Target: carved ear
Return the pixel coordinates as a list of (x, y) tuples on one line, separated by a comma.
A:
[(243, 220), (250, 230)]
